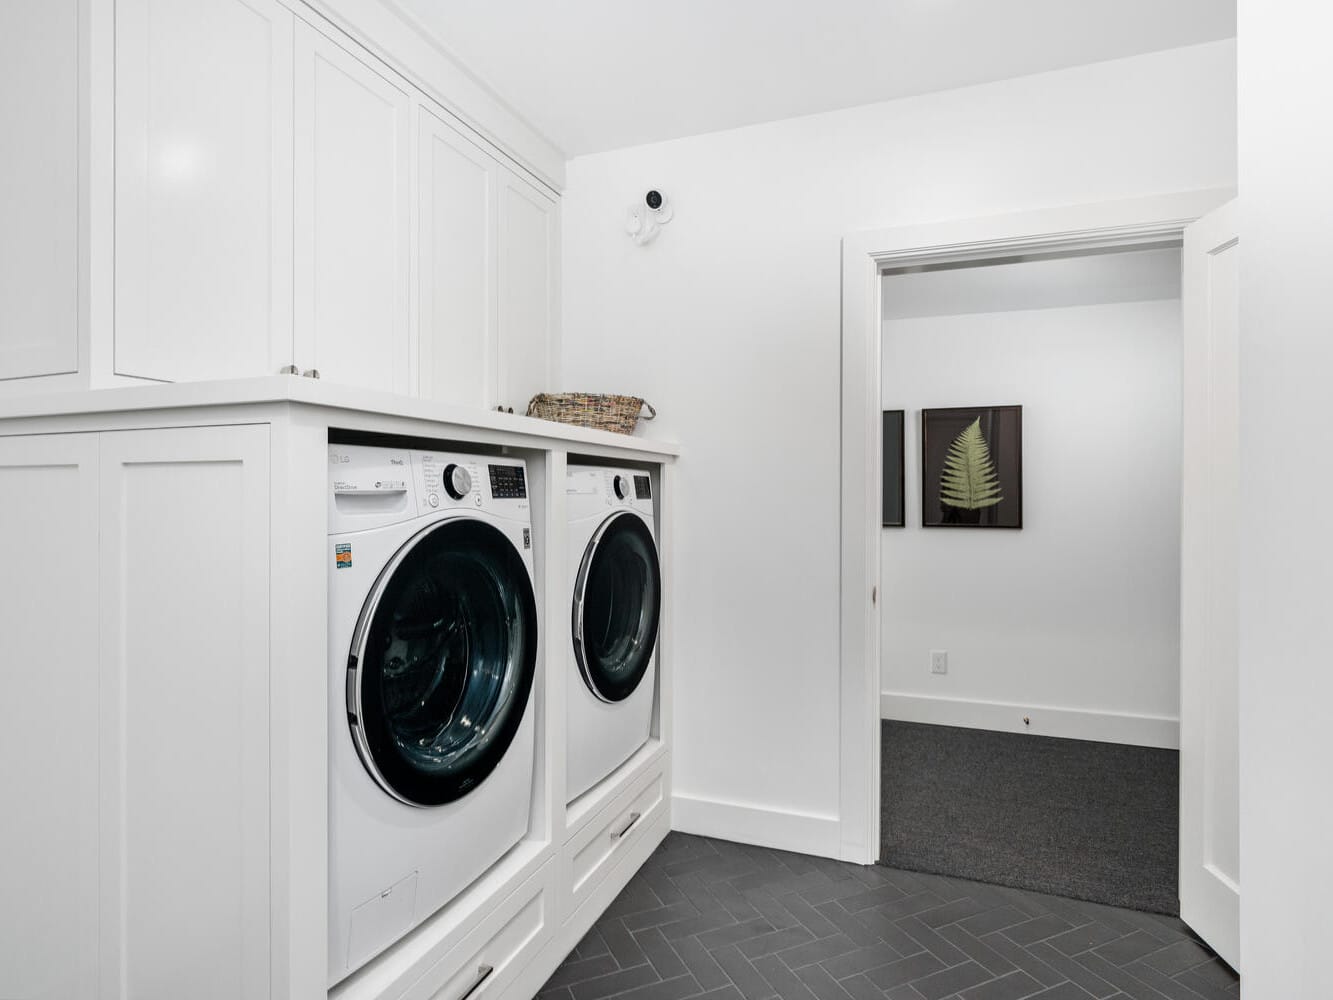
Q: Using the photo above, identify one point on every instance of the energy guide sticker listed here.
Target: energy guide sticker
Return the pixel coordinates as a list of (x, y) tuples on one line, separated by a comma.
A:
[(342, 555)]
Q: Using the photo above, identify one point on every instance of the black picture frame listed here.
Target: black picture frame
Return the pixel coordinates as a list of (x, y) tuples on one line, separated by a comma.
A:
[(894, 502), (1001, 428)]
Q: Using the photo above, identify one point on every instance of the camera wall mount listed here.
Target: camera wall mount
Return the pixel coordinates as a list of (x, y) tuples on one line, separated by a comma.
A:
[(646, 219)]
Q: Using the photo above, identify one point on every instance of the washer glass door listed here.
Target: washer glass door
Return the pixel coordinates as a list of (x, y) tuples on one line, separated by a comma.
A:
[(442, 662), (617, 603)]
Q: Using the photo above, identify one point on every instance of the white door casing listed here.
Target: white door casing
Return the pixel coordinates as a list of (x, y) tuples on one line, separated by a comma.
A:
[(1209, 662), (1133, 222)]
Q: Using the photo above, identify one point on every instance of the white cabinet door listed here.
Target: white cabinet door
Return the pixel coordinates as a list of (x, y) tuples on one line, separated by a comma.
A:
[(39, 187), (48, 743), (1210, 534), (529, 246), (184, 713), (456, 270), (203, 188), (353, 227)]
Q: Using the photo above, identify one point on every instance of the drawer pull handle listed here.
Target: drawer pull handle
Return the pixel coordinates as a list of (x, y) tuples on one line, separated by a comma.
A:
[(633, 818), (483, 974)]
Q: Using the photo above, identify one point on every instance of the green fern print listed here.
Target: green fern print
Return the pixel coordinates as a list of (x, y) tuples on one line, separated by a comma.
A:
[(969, 480)]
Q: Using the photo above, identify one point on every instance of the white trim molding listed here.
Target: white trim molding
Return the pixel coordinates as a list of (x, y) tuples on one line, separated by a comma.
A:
[(1139, 221), (765, 826), (1042, 720)]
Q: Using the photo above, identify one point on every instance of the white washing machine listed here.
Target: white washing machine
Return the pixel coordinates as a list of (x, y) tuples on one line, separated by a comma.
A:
[(616, 582), (432, 652)]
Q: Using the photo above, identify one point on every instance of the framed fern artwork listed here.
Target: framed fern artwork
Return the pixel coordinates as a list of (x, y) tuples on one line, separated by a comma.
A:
[(972, 467)]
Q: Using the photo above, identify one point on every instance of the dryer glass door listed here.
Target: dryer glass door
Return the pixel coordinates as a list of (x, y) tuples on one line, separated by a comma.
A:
[(617, 603), (442, 662)]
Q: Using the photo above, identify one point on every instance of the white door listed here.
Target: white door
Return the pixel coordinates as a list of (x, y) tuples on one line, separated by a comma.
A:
[(529, 244), (456, 267), (39, 188), (203, 188), (353, 223), (184, 728), (1209, 725), (48, 743)]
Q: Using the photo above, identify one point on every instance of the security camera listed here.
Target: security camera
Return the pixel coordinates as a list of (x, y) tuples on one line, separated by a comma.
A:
[(643, 224)]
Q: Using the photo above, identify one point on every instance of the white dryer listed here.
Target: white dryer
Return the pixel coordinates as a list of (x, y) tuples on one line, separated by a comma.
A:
[(616, 585), (432, 653)]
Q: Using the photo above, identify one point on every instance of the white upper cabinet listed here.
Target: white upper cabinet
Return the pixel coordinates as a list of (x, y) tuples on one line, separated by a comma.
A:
[(456, 272), (529, 241), (215, 189), (39, 187), (353, 223), (203, 188)]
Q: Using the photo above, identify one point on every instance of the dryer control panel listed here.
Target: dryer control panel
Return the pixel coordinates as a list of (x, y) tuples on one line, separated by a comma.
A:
[(592, 489)]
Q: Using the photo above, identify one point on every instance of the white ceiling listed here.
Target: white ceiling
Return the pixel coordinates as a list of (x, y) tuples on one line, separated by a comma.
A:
[(593, 75)]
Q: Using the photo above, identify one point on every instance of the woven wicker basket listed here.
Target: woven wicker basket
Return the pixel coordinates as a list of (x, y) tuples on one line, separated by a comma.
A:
[(588, 409)]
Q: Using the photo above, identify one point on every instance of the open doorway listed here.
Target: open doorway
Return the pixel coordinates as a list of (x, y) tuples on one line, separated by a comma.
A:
[(1030, 677), (1204, 227)]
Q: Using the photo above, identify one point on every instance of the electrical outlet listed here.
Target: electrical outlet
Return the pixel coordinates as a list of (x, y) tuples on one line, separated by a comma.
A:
[(939, 661)]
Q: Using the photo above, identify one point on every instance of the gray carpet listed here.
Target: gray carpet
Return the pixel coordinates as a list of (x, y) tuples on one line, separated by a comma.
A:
[(1091, 821)]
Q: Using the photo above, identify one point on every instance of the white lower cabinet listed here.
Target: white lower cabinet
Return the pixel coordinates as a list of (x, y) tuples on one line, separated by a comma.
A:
[(48, 743), (353, 223), (184, 812), (488, 959), (134, 604), (164, 767), (596, 847)]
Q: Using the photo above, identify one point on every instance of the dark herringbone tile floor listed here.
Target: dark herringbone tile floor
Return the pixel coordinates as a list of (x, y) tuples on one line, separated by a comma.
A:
[(710, 919)]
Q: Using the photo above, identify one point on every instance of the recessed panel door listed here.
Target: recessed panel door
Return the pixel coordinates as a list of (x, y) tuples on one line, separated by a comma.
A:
[(1210, 536), (203, 188), (353, 223)]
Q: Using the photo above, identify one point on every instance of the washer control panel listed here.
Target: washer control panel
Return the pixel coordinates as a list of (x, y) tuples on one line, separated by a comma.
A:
[(450, 480), (371, 486), (508, 482)]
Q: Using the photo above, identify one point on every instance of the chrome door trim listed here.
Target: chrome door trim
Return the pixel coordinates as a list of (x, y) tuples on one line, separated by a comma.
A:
[(580, 587)]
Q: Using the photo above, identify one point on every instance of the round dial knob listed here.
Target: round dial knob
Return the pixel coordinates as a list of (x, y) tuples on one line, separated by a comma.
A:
[(457, 481), (621, 485)]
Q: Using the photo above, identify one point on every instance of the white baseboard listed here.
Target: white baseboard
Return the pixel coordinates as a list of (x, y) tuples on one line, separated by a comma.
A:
[(802, 833), (1045, 720)]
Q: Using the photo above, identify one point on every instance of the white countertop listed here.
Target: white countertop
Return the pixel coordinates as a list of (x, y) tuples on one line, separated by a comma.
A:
[(315, 392)]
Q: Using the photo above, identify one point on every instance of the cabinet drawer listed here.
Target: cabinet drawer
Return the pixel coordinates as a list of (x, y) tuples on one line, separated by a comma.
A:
[(492, 955), (593, 850)]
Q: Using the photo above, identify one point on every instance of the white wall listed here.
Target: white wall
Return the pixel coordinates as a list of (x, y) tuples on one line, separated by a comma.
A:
[(1286, 557), (1074, 621), (729, 323)]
